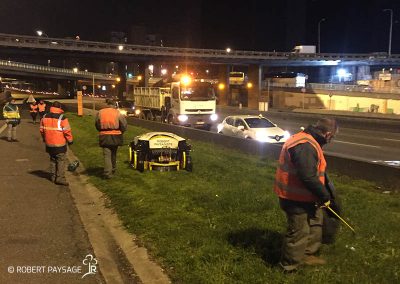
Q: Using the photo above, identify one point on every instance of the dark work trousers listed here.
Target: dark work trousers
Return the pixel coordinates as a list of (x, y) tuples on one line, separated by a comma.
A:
[(34, 115), (110, 160), (303, 237), (57, 167)]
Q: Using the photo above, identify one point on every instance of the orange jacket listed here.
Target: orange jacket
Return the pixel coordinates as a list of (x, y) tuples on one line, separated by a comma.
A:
[(109, 121), (287, 183), (56, 131), (34, 108), (42, 107)]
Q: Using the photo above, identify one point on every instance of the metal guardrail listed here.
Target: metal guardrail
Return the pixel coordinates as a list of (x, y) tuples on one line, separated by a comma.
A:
[(22, 41), (32, 68)]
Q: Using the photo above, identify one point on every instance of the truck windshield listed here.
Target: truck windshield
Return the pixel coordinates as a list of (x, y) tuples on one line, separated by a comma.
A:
[(197, 92)]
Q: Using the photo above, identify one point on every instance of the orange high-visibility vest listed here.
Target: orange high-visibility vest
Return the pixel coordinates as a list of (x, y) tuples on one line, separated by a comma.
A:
[(42, 107), (109, 121), (287, 183), (55, 128), (34, 108)]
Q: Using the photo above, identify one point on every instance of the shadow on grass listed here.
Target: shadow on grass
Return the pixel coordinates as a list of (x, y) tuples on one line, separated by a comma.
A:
[(95, 171), (267, 244), (41, 174)]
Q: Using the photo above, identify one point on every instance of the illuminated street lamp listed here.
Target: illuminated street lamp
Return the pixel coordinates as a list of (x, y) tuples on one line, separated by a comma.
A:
[(41, 33), (390, 29), (228, 49), (120, 47), (75, 69)]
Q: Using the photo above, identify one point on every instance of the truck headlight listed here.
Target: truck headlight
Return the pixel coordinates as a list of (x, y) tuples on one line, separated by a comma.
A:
[(123, 112), (214, 117), (182, 117), (137, 112)]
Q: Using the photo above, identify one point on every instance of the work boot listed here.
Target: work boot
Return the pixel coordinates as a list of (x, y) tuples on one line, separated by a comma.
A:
[(62, 182), (314, 260)]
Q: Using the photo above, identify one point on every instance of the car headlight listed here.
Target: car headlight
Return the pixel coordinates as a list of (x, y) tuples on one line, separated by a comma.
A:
[(182, 117), (219, 127), (123, 112), (261, 136), (286, 134), (137, 112), (214, 117)]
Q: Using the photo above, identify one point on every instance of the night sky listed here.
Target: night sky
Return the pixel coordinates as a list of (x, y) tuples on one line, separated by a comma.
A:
[(350, 26)]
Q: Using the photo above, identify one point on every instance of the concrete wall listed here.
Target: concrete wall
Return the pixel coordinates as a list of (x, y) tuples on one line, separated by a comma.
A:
[(335, 100)]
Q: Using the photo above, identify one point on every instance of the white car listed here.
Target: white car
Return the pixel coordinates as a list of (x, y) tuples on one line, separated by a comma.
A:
[(253, 127)]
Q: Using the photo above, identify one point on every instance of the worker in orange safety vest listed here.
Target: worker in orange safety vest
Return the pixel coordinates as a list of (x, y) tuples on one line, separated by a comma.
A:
[(56, 134), (34, 108), (301, 187), (42, 108), (111, 125)]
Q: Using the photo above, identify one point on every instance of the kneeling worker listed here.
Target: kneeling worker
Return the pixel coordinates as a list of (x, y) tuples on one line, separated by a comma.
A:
[(111, 125), (56, 133)]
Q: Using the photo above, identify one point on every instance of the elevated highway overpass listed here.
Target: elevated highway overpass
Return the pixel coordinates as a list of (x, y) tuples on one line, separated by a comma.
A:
[(22, 44)]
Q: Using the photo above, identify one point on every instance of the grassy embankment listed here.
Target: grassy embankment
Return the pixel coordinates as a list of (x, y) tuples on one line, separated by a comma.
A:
[(222, 223)]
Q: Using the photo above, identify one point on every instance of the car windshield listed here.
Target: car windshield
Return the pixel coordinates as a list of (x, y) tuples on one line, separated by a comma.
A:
[(126, 104), (258, 122), (198, 92)]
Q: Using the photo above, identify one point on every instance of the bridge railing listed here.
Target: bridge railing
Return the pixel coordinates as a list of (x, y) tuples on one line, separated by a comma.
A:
[(130, 49)]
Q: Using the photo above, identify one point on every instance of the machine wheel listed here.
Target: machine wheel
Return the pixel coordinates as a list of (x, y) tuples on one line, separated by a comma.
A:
[(189, 164), (140, 161)]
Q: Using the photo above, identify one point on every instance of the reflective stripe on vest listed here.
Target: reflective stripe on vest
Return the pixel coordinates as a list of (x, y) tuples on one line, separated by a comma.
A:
[(287, 184), (109, 121)]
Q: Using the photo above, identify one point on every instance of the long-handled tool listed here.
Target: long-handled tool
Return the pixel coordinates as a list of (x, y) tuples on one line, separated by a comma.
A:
[(340, 218)]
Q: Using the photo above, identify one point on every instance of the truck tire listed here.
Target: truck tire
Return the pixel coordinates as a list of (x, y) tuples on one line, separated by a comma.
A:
[(142, 116), (149, 116), (170, 119)]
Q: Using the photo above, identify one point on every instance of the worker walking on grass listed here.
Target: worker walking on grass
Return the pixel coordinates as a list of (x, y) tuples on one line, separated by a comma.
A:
[(56, 133), (33, 111), (301, 187), (111, 125), (42, 108), (13, 119)]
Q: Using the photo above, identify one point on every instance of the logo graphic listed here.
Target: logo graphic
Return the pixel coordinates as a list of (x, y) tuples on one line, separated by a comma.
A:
[(91, 262)]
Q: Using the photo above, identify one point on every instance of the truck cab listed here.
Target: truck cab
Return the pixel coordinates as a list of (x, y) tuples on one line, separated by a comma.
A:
[(193, 103)]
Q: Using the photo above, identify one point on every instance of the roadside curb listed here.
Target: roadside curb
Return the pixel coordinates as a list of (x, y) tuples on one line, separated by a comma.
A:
[(107, 236)]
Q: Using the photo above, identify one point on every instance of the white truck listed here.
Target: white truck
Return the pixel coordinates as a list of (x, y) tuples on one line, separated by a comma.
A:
[(186, 102), (304, 49)]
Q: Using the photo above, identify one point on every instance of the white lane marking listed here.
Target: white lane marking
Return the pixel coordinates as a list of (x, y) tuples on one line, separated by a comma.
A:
[(22, 160), (397, 140), (365, 145)]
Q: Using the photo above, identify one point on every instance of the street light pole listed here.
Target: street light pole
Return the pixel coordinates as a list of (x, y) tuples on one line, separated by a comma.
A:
[(390, 30), (94, 107), (319, 34)]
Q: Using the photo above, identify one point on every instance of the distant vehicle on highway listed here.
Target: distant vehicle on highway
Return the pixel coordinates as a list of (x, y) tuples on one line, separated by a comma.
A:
[(236, 78), (253, 127), (304, 49), (126, 108)]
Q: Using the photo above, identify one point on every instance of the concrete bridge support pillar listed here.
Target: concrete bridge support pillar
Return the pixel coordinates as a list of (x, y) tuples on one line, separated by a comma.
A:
[(122, 86), (363, 73), (223, 78), (255, 78), (145, 73)]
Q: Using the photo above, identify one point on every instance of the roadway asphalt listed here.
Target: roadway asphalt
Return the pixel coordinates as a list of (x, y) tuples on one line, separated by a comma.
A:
[(41, 228)]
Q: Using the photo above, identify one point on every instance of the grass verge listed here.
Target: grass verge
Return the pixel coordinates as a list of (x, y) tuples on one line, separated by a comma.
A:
[(222, 223)]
